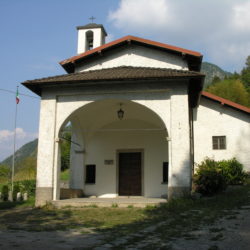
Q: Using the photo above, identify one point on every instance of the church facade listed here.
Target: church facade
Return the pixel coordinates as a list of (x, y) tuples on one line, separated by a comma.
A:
[(140, 120)]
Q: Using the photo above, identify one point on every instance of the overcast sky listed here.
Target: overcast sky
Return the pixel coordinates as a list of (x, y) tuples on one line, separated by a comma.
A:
[(35, 35)]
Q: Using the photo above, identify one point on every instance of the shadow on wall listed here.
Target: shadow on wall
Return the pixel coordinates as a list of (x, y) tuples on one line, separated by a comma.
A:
[(181, 182)]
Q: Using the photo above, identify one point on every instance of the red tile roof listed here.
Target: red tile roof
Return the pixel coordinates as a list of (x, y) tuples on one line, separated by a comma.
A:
[(226, 102), (131, 39)]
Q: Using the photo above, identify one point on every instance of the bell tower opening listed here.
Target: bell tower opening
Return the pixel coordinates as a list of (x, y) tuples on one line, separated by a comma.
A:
[(90, 36), (89, 40)]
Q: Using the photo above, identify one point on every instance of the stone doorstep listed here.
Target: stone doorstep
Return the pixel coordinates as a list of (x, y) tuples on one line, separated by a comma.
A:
[(108, 202)]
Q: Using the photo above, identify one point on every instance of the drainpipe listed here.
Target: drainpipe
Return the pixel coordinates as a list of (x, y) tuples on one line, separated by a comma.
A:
[(191, 126)]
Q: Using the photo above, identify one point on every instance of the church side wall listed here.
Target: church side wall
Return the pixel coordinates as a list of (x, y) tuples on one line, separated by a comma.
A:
[(135, 56), (214, 119)]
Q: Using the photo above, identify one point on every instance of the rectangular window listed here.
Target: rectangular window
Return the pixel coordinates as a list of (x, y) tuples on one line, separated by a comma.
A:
[(219, 142), (90, 174), (165, 172)]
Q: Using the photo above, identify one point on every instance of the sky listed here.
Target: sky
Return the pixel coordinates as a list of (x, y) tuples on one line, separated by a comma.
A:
[(36, 35)]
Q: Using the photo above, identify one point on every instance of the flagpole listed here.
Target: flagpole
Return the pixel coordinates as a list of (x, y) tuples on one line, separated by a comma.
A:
[(14, 147)]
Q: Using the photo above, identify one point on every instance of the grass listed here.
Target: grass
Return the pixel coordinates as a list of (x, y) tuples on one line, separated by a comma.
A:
[(18, 204), (65, 175), (172, 220)]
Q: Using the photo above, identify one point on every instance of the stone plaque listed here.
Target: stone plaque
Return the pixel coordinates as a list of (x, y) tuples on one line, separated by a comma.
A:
[(108, 162)]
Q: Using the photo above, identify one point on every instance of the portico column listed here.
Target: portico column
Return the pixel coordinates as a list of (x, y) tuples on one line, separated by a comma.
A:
[(46, 151), (180, 162), (76, 157)]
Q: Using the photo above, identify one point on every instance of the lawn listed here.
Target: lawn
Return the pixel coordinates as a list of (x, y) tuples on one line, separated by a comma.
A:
[(173, 219)]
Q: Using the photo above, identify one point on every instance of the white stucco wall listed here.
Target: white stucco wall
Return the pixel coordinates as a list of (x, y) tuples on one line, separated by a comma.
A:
[(136, 56), (214, 119)]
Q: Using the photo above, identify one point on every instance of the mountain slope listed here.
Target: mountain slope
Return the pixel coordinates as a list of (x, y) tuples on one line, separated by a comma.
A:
[(27, 150), (212, 70)]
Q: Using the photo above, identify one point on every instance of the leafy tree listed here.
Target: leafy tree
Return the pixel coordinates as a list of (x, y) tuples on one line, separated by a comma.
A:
[(245, 74), (65, 150), (5, 173), (215, 80), (231, 89), (234, 76)]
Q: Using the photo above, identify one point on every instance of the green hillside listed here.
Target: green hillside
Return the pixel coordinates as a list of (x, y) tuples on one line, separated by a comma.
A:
[(27, 150)]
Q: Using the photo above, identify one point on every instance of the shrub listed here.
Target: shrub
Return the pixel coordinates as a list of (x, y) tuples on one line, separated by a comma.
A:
[(16, 189), (209, 178), (28, 186), (233, 171), (5, 192)]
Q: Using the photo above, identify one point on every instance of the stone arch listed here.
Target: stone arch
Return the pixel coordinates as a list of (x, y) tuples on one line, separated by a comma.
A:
[(67, 106), (138, 116)]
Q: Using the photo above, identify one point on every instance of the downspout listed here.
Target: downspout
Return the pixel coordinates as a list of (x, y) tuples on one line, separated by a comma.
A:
[(191, 126)]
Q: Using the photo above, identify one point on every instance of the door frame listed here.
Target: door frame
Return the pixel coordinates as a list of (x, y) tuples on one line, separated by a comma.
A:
[(118, 151)]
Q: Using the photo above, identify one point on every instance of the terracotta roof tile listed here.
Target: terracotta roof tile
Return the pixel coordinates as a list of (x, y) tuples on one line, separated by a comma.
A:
[(67, 64), (118, 73), (226, 102)]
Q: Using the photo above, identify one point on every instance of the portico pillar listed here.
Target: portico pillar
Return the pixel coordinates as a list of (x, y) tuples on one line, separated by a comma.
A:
[(179, 146), (76, 157), (46, 151)]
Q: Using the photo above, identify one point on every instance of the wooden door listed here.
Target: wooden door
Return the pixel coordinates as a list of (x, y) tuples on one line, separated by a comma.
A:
[(130, 173)]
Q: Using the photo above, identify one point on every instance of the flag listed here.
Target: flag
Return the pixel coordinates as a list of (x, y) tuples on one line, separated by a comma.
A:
[(17, 96)]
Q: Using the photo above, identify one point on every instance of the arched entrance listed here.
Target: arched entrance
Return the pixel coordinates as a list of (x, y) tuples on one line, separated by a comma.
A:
[(113, 157)]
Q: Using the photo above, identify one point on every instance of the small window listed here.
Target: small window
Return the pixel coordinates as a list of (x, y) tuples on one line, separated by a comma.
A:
[(219, 142), (90, 174), (165, 172)]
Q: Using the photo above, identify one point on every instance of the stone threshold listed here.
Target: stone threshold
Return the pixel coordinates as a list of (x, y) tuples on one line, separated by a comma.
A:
[(120, 201)]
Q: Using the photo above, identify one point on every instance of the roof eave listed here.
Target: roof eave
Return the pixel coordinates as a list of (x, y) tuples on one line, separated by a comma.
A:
[(226, 102), (37, 87)]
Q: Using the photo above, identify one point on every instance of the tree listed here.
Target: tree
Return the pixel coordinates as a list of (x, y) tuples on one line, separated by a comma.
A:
[(231, 89), (215, 80), (245, 74), (5, 173), (65, 150)]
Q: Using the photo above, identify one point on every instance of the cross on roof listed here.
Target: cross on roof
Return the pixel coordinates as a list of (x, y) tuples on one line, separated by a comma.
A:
[(92, 18)]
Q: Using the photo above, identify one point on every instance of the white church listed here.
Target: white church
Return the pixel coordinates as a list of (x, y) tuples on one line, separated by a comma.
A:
[(140, 120)]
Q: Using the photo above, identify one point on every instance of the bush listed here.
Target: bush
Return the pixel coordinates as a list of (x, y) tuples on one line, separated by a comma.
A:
[(16, 189), (213, 176), (5, 192), (233, 171), (25, 186), (209, 178), (28, 186)]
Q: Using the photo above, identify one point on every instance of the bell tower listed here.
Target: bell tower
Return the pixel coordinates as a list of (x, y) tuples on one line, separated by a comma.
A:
[(90, 36)]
